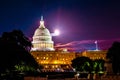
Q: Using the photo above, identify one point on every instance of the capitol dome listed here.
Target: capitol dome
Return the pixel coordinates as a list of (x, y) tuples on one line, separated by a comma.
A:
[(42, 31), (41, 34), (42, 39)]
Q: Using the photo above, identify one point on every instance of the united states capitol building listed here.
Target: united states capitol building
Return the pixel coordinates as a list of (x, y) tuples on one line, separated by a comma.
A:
[(54, 60)]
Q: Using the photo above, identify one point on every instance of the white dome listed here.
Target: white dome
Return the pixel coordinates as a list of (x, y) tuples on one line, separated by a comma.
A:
[(42, 32), (42, 39)]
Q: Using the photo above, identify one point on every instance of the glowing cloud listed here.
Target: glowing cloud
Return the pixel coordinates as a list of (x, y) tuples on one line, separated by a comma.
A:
[(86, 45)]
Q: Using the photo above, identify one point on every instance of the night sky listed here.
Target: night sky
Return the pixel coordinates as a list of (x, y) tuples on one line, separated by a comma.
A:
[(81, 22)]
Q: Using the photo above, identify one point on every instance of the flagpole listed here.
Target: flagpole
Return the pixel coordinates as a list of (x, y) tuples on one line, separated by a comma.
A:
[(96, 43)]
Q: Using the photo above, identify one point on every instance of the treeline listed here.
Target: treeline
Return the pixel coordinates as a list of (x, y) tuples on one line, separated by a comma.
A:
[(85, 64), (15, 57)]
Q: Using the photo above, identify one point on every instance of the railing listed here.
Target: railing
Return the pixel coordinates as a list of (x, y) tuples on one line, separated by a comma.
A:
[(106, 77)]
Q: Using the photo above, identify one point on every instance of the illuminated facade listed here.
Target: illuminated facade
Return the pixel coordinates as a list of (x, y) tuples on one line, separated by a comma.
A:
[(54, 60), (93, 54)]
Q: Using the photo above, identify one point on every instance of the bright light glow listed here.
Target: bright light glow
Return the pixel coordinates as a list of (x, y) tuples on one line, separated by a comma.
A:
[(57, 32), (55, 62)]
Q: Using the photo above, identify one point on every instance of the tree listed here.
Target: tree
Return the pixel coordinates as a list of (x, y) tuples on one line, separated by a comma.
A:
[(98, 65), (113, 55), (15, 50), (82, 64)]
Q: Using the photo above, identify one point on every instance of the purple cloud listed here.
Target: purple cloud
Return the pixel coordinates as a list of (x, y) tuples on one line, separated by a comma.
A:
[(86, 45)]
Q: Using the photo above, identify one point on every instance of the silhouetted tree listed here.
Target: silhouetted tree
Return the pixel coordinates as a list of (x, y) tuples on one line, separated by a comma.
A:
[(15, 50), (113, 55), (82, 64)]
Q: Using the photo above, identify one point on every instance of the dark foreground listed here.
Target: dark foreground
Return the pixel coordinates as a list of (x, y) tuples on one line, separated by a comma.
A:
[(72, 76), (63, 76)]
